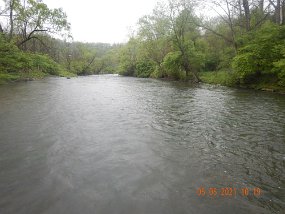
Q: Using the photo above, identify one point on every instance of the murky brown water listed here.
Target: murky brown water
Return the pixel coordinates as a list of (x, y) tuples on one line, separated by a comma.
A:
[(107, 144)]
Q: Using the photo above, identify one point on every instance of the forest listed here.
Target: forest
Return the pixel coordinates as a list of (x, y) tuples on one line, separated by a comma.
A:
[(241, 44)]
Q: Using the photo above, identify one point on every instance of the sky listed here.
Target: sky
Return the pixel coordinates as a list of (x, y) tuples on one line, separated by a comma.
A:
[(107, 21)]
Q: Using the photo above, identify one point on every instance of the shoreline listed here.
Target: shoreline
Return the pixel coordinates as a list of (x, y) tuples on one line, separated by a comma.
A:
[(7, 78)]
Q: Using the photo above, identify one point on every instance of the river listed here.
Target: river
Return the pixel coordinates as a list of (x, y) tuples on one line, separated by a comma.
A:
[(111, 144)]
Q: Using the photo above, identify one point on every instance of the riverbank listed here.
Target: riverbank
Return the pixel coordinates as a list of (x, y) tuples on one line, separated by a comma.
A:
[(216, 78), (268, 83), (6, 78)]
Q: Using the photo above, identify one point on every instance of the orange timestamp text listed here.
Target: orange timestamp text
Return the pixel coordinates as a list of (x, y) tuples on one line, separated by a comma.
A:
[(228, 192)]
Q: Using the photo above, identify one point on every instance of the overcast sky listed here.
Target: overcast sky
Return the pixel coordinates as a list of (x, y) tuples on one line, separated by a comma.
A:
[(102, 20)]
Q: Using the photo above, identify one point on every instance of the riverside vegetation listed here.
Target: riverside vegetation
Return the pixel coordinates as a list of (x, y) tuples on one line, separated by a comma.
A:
[(242, 46)]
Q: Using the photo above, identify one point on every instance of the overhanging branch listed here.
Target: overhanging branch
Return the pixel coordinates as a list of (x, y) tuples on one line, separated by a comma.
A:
[(29, 37), (214, 32)]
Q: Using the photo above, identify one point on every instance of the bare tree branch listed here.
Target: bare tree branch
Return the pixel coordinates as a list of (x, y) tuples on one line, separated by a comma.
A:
[(29, 37)]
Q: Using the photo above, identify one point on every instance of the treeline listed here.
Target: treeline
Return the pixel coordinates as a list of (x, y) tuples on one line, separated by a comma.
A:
[(245, 42), (29, 48), (29, 24)]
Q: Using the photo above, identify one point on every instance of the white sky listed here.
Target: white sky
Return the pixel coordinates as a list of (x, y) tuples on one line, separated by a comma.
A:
[(102, 20)]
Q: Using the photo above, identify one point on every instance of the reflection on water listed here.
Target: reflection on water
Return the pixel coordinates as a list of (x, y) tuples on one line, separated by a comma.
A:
[(107, 144)]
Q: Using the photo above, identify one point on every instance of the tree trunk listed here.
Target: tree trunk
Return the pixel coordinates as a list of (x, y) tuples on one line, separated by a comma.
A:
[(12, 3), (188, 70), (278, 12), (247, 14), (84, 70), (231, 25), (261, 6), (196, 77), (1, 29), (281, 13), (239, 8)]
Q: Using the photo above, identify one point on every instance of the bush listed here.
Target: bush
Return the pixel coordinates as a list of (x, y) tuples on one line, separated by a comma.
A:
[(13, 60), (44, 64), (172, 64), (279, 67), (144, 69), (220, 77), (158, 72), (262, 49)]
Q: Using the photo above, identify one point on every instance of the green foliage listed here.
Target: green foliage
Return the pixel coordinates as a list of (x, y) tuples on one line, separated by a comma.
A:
[(196, 59), (158, 72), (225, 58), (4, 77), (220, 77), (11, 58), (262, 48), (246, 66), (35, 17), (128, 58), (126, 67), (279, 67), (42, 63), (144, 68), (218, 51), (16, 64), (171, 42), (172, 64)]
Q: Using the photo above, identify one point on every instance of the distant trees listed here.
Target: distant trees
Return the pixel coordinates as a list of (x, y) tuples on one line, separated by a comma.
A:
[(88, 58), (175, 41), (31, 26)]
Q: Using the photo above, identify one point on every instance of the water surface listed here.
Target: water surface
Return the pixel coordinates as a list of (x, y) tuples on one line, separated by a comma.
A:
[(109, 144)]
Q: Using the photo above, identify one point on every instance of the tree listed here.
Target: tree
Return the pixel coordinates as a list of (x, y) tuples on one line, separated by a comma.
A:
[(263, 53), (31, 18), (181, 16), (279, 7), (11, 8), (154, 33), (227, 11), (128, 57)]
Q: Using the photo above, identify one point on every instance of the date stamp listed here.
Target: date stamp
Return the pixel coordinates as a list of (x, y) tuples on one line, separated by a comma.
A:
[(228, 192)]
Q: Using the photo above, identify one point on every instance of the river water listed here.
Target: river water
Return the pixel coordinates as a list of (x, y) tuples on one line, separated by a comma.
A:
[(110, 144)]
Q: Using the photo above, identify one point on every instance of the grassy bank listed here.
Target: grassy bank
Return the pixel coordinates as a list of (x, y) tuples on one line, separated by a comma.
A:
[(28, 76), (231, 79), (219, 78), (19, 65)]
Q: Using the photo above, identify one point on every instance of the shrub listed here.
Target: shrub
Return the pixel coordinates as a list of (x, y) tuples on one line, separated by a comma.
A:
[(144, 68), (172, 64), (262, 49), (13, 60), (279, 67)]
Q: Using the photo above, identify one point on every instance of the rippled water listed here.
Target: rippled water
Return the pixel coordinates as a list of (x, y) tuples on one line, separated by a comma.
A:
[(108, 144)]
